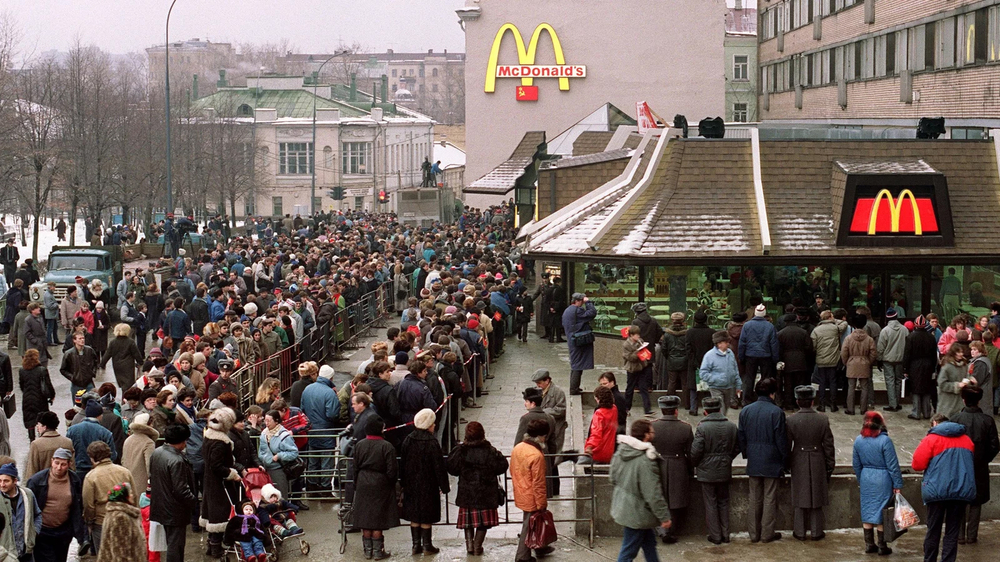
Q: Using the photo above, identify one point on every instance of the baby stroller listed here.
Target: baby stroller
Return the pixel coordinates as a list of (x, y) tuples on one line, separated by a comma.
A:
[(253, 482)]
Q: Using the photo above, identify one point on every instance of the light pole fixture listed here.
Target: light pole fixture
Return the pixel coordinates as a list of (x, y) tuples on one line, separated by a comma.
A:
[(166, 60), (312, 188)]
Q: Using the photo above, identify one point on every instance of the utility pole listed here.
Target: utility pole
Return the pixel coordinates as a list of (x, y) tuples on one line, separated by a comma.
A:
[(166, 60)]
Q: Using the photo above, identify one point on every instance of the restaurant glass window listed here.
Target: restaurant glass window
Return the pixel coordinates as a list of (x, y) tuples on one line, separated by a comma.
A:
[(879, 288), (957, 289), (798, 285), (612, 288), (716, 290)]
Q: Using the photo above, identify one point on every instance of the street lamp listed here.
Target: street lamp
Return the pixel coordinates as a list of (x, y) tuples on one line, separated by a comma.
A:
[(166, 50), (312, 188)]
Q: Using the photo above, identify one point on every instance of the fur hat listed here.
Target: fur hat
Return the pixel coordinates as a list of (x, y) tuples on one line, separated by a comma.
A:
[(677, 318), (719, 337), (222, 420), (268, 490), (197, 359), (424, 419)]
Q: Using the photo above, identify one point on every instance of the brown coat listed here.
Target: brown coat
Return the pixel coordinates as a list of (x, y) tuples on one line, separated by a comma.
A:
[(811, 457), (527, 472), (96, 485), (137, 451), (41, 450), (672, 440), (858, 354), (630, 354)]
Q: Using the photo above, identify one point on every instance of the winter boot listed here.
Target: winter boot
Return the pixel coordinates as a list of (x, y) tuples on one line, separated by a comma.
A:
[(477, 542), (429, 548), (883, 549), (214, 549), (415, 537), (378, 549), (470, 534), (367, 542), (870, 547)]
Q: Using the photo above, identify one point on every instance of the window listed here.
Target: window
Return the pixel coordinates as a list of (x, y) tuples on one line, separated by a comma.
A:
[(276, 209), (394, 73), (968, 133), (421, 71), (741, 67), (318, 203), (917, 50), (355, 157), (613, 289), (994, 33), (359, 203), (434, 72), (434, 87), (740, 112), (295, 158), (945, 43), (248, 206), (244, 111)]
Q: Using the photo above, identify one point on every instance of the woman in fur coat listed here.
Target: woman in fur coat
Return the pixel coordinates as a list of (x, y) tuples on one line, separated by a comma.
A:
[(124, 540), (220, 478)]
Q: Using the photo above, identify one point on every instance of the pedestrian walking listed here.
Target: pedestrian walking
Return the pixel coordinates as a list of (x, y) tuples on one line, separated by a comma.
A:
[(811, 460), (24, 515), (88, 431), (124, 539), (981, 372), (424, 477), (37, 393), (757, 351), (62, 520), (672, 440), (527, 474), (374, 471), (477, 464), (101, 478), (79, 365), (138, 449), (124, 355), (600, 444), (580, 339), (763, 441), (720, 372), (945, 457), (982, 430), (219, 489), (172, 498), (637, 502), (877, 469), (713, 449), (639, 370)]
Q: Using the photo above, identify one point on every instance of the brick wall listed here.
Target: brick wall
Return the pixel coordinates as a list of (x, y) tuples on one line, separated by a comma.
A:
[(575, 182), (967, 93)]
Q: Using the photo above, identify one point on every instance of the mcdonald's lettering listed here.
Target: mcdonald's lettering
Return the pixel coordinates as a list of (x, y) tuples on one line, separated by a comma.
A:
[(526, 69), (903, 214)]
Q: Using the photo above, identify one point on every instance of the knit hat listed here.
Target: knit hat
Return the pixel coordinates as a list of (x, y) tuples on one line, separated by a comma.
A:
[(890, 313), (235, 326), (222, 420), (155, 352), (94, 409), (326, 372), (216, 404), (920, 321), (197, 359), (639, 307), (249, 308), (140, 419), (9, 469), (268, 490), (424, 419), (473, 323), (760, 311), (170, 387), (402, 358), (186, 356), (700, 317)]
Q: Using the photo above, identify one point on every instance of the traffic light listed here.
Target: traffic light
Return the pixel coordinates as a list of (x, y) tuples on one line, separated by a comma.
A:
[(382, 196), (337, 193)]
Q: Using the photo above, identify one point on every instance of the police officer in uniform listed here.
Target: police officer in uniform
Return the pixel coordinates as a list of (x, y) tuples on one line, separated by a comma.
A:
[(810, 461), (672, 440)]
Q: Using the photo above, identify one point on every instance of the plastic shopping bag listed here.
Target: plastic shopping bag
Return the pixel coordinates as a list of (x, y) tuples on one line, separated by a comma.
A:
[(905, 516)]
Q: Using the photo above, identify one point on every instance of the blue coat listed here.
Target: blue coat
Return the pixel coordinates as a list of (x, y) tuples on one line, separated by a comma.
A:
[(282, 444), (763, 438), (718, 370), (877, 470), (577, 319), (758, 339), (320, 404), (84, 433), (413, 395)]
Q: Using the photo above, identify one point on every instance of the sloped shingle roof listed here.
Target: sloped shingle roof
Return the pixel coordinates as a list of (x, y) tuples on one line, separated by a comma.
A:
[(500, 180)]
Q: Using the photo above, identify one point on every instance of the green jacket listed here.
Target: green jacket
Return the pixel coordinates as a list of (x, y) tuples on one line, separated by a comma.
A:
[(637, 501)]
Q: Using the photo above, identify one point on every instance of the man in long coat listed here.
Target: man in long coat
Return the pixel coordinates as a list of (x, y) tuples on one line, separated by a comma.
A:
[(672, 439), (542, 295), (554, 404), (576, 319), (811, 459), (557, 306)]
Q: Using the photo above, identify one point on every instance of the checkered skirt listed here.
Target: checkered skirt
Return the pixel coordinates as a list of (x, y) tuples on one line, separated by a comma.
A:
[(473, 518)]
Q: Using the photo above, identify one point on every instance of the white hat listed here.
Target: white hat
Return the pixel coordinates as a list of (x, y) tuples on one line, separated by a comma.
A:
[(424, 419), (250, 308), (222, 420), (326, 372), (268, 490), (170, 387), (182, 252), (140, 419), (761, 310)]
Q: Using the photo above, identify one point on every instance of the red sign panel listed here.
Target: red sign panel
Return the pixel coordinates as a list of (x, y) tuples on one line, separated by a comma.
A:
[(900, 214), (527, 93)]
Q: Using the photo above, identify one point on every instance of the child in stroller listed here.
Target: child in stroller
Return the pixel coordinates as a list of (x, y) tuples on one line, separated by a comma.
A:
[(279, 512), (244, 528)]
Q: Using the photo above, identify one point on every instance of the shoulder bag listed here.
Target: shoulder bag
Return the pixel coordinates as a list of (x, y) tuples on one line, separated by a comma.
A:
[(582, 338), (293, 469)]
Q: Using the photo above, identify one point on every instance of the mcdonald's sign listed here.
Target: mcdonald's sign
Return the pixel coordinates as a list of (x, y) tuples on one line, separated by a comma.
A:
[(903, 214), (526, 69)]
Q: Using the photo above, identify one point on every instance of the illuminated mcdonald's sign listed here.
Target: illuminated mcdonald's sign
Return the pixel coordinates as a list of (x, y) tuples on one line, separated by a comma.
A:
[(905, 214), (526, 69)]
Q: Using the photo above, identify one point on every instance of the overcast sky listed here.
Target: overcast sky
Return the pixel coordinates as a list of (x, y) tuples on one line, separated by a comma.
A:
[(122, 26)]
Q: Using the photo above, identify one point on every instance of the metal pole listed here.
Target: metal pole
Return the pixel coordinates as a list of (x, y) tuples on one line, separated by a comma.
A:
[(312, 187), (166, 50)]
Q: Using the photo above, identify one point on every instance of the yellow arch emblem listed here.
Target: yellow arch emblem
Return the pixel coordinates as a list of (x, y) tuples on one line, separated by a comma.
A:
[(894, 207), (524, 56)]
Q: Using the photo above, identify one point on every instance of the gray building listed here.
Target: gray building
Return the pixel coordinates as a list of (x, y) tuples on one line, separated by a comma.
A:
[(741, 64)]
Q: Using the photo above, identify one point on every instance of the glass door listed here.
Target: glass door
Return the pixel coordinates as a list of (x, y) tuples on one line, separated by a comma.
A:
[(905, 289)]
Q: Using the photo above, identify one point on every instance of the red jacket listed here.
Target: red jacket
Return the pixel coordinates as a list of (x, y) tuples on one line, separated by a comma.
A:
[(603, 430)]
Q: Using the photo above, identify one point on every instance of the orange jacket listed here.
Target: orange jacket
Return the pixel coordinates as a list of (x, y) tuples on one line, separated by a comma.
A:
[(527, 470)]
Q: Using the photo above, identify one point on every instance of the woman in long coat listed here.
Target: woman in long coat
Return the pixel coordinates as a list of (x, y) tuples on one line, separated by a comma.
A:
[(123, 537), (424, 477), (219, 488), (124, 355), (14, 298), (374, 472), (102, 325), (400, 286), (920, 366), (954, 368), (477, 464), (877, 470), (36, 390), (858, 354)]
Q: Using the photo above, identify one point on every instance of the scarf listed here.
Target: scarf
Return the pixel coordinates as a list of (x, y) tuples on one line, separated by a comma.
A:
[(267, 434), (169, 413), (245, 528), (189, 411)]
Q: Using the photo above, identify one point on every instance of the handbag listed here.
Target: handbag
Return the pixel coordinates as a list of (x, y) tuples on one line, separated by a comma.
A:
[(888, 523), (501, 494), (541, 530), (9, 405), (582, 338), (293, 469)]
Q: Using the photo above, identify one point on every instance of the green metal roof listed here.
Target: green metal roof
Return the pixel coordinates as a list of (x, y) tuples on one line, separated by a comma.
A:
[(288, 103)]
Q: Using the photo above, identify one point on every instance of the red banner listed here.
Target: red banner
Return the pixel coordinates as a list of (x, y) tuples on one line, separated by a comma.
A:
[(527, 93)]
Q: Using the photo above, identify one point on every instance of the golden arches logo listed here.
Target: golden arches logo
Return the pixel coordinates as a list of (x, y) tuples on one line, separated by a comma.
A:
[(895, 205), (525, 56)]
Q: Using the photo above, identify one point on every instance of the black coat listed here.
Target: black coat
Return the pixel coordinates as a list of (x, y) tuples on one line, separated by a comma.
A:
[(384, 399), (125, 360), (173, 495), (920, 362), (244, 450), (536, 413), (113, 423), (424, 477), (34, 334), (197, 311), (811, 457), (699, 343), (36, 391), (795, 349), (374, 472), (982, 429), (477, 465), (295, 394), (673, 440), (649, 329), (714, 447), (217, 494)]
